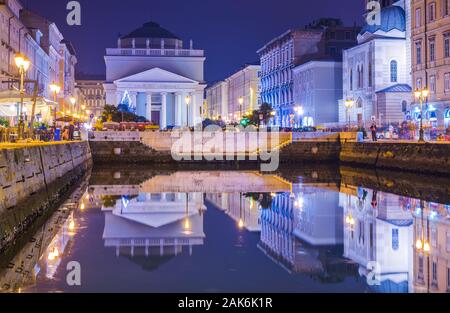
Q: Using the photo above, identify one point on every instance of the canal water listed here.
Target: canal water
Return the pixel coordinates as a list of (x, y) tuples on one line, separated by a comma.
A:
[(305, 230)]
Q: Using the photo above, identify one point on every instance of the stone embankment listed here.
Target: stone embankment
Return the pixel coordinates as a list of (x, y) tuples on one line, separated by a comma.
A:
[(34, 178)]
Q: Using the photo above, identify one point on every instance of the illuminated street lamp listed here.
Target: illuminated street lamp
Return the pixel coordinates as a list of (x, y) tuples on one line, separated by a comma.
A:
[(241, 102), (55, 89), (187, 99), (299, 110), (23, 64), (421, 95), (348, 105)]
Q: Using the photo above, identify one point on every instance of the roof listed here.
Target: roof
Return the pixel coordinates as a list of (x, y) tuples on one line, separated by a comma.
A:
[(151, 30), (392, 17), (396, 88)]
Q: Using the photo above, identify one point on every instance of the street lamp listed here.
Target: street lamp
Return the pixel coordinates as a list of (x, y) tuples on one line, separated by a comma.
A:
[(421, 95), (348, 105), (187, 99), (55, 89), (241, 102), (23, 64)]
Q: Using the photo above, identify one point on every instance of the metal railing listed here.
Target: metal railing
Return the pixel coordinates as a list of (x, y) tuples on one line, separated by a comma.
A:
[(155, 52)]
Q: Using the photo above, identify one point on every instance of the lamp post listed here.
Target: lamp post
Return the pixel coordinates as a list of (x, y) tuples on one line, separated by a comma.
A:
[(55, 89), (187, 99), (23, 64), (421, 95), (299, 110), (348, 105)]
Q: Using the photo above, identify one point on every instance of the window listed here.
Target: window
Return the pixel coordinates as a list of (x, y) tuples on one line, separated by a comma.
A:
[(448, 278), (395, 241), (418, 17), (447, 45), (418, 53), (434, 236), (351, 79), (404, 106), (432, 50), (448, 234), (419, 83), (394, 67), (370, 74), (434, 270), (431, 11), (447, 83), (445, 7), (433, 84), (420, 270)]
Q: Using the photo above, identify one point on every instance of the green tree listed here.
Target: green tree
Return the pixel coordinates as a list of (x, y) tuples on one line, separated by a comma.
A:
[(112, 113)]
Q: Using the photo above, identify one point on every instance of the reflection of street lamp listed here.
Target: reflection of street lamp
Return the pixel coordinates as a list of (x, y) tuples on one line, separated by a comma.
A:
[(241, 221), (187, 99), (23, 65), (422, 243), (55, 89), (421, 95), (348, 105)]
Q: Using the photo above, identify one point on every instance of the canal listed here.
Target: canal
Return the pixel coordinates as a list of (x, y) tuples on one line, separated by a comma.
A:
[(307, 229)]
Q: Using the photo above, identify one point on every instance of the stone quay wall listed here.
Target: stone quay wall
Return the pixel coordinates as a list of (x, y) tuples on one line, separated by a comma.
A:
[(34, 178), (430, 158)]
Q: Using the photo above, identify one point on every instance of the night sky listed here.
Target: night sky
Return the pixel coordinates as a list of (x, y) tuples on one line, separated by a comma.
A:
[(229, 31)]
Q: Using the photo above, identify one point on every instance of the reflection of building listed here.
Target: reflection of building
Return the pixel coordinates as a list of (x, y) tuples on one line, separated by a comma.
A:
[(377, 71), (155, 224), (318, 217), (378, 236), (432, 228), (279, 243), (152, 73), (244, 211), (431, 58)]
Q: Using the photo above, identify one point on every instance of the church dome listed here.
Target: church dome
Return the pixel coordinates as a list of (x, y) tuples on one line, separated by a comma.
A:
[(151, 30), (392, 17), (151, 35)]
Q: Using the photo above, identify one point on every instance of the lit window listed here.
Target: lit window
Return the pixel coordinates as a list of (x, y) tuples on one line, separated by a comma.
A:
[(433, 84), (394, 69), (447, 82)]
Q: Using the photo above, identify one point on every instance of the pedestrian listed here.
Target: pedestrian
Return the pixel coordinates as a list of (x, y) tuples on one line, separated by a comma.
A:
[(71, 131), (373, 129)]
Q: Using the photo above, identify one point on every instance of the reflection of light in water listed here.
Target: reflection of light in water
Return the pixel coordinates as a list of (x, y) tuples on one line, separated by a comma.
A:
[(419, 244), (71, 225), (241, 223), (82, 207)]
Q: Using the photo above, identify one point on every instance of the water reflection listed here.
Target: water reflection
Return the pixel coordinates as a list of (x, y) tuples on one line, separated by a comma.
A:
[(179, 229)]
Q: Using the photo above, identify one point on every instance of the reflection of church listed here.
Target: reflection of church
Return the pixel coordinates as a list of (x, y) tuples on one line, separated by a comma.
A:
[(378, 236), (155, 224)]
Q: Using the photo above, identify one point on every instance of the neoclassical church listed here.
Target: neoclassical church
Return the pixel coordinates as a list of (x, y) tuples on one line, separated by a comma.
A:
[(152, 73), (377, 72)]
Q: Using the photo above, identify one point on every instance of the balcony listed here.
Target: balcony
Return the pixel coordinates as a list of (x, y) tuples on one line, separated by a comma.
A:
[(154, 52)]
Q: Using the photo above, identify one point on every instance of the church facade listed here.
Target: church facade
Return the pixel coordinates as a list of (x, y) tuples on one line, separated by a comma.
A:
[(152, 74), (377, 72)]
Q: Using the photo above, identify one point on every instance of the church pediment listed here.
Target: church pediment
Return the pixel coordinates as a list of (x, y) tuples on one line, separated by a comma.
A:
[(156, 75)]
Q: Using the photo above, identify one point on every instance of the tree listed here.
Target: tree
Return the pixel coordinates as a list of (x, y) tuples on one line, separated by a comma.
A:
[(264, 111), (118, 114)]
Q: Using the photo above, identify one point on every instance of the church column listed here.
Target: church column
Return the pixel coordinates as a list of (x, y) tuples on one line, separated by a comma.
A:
[(163, 123), (148, 113), (178, 111), (133, 97), (197, 100), (187, 109)]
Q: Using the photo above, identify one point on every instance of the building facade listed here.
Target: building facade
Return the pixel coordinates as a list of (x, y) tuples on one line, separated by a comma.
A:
[(217, 100), (376, 73), (93, 95), (224, 98), (322, 39), (431, 59), (317, 91), (152, 73)]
